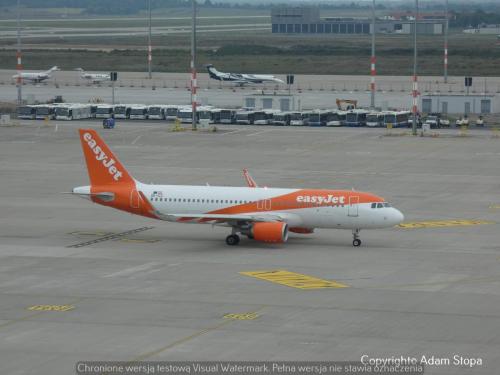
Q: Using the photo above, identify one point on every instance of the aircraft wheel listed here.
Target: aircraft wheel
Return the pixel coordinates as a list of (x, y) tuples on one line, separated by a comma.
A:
[(356, 242), (233, 240)]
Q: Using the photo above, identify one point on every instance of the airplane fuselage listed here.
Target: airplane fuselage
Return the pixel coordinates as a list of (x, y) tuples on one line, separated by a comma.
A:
[(305, 208)]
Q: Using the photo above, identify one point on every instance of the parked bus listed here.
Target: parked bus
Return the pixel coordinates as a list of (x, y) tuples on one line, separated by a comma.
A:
[(45, 111), (356, 117), (336, 118), (104, 111), (204, 114), (227, 116), (139, 112), (27, 112), (317, 118), (296, 119), (171, 112), (122, 111), (185, 114), (397, 119), (245, 118), (215, 112), (263, 117), (375, 119), (156, 112), (72, 112), (282, 118)]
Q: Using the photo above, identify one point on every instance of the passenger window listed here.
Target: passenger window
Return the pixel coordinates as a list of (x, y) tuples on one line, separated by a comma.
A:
[(380, 205), (374, 205)]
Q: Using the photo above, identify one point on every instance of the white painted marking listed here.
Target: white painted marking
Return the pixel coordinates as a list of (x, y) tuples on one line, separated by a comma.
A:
[(136, 139), (132, 270)]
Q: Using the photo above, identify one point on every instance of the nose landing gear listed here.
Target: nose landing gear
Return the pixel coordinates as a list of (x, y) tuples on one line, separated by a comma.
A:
[(355, 235)]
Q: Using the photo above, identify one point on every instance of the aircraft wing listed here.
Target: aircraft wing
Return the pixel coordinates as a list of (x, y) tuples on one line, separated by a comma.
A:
[(217, 218)]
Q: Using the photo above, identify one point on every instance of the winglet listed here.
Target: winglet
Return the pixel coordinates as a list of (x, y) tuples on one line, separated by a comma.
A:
[(248, 178)]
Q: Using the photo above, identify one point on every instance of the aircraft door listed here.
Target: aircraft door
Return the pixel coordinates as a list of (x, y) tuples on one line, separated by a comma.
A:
[(353, 207)]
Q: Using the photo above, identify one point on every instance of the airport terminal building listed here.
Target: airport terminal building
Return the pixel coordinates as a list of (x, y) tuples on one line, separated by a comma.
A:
[(307, 20)]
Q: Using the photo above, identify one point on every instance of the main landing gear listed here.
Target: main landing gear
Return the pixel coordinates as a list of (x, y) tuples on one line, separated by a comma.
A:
[(355, 235), (233, 240)]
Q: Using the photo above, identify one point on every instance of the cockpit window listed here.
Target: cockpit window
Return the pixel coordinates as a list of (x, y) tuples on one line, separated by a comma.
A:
[(387, 205), (374, 205), (380, 205)]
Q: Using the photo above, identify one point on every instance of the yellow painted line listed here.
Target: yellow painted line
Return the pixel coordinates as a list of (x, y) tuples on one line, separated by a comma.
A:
[(51, 307), (495, 206), (443, 223), (242, 316), (294, 280)]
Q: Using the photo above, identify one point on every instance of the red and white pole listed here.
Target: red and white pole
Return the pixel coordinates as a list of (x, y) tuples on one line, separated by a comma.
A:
[(415, 94), (194, 84), (373, 72), (19, 65)]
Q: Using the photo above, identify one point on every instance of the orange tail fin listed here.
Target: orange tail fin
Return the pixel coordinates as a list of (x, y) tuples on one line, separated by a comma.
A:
[(103, 166)]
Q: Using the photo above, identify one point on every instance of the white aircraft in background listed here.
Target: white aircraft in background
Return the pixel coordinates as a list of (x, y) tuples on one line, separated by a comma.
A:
[(262, 214), (36, 77), (240, 79), (94, 77)]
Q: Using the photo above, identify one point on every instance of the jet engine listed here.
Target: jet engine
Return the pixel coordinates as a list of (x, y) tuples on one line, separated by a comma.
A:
[(276, 232)]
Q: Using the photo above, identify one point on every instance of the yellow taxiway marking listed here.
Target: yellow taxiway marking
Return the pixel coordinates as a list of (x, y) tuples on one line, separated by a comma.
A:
[(294, 280), (51, 307), (242, 316), (495, 206), (443, 223)]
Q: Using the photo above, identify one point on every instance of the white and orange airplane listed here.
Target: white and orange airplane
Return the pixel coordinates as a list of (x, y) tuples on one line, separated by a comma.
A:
[(263, 214)]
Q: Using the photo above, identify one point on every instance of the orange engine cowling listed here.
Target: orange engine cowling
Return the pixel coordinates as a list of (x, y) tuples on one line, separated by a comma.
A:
[(270, 232)]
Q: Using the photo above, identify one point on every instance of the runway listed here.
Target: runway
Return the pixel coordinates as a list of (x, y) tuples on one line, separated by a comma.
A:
[(138, 289)]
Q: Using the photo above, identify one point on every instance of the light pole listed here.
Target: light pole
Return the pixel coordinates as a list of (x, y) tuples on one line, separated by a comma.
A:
[(19, 65), (415, 79), (373, 70), (446, 27), (193, 66), (149, 42)]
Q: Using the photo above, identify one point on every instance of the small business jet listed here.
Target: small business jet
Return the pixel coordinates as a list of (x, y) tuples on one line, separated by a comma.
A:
[(240, 79), (262, 214), (36, 77), (94, 77)]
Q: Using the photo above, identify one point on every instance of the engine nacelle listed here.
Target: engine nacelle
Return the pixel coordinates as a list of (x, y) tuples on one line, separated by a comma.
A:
[(275, 232)]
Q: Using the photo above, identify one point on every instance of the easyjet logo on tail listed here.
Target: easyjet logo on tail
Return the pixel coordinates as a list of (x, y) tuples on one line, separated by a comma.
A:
[(321, 199), (101, 156)]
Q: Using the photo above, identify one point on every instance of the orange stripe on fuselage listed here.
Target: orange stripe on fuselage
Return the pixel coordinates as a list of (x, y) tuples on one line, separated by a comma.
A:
[(304, 198)]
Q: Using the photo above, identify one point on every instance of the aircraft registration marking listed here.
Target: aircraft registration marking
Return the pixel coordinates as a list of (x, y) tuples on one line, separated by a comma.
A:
[(242, 316), (442, 223), (294, 280), (51, 307)]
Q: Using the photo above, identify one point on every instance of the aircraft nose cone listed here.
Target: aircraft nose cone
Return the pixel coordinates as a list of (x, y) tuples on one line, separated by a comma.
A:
[(397, 216)]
